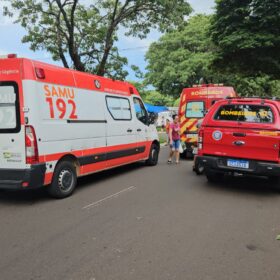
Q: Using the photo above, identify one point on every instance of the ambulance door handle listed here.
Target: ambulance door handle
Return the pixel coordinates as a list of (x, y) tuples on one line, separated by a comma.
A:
[(139, 129), (129, 130)]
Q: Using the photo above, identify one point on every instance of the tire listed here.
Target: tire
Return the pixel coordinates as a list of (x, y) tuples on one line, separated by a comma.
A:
[(64, 180), (198, 169), (183, 155), (214, 177), (186, 155), (153, 156), (189, 155)]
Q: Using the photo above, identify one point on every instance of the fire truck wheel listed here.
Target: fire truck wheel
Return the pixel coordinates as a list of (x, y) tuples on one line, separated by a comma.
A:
[(64, 180), (153, 157), (198, 169), (183, 155)]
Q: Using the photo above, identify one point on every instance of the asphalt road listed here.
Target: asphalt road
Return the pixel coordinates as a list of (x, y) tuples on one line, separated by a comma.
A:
[(143, 223)]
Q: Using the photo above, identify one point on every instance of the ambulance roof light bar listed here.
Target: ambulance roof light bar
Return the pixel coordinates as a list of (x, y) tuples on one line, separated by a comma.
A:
[(10, 55)]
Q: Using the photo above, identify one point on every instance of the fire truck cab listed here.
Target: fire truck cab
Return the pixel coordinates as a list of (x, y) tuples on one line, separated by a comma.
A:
[(57, 124), (195, 102), (241, 137)]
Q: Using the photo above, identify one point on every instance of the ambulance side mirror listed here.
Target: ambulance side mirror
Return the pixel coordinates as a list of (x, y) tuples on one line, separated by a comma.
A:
[(152, 118)]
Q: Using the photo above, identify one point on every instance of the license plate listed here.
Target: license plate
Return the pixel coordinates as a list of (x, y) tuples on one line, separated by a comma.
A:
[(191, 135), (238, 163), (195, 151)]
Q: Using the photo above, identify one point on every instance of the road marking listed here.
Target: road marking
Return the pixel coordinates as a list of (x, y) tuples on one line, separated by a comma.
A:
[(115, 195)]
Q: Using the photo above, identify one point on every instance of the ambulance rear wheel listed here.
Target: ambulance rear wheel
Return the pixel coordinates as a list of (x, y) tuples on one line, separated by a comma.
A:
[(153, 157), (64, 180)]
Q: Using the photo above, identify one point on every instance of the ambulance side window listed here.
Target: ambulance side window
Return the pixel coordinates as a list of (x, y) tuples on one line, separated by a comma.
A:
[(140, 110), (119, 108), (9, 108)]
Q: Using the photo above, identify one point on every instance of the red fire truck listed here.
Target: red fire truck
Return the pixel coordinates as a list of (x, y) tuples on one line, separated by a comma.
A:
[(195, 102), (240, 137)]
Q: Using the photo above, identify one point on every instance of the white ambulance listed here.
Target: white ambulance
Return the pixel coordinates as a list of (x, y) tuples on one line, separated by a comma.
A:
[(58, 124)]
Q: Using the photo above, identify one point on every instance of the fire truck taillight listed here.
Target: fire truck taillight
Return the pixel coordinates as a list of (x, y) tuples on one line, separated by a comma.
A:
[(31, 147), (200, 139)]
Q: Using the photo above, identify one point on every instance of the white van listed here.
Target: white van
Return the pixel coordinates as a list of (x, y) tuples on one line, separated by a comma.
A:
[(58, 124)]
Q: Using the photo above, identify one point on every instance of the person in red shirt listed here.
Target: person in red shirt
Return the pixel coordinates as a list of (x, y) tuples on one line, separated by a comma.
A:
[(174, 137)]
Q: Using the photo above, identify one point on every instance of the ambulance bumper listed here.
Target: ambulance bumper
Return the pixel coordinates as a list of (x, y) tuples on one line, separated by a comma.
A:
[(17, 179), (219, 164)]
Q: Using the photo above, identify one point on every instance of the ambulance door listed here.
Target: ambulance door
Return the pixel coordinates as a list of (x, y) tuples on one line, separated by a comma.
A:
[(121, 133), (12, 142), (141, 126)]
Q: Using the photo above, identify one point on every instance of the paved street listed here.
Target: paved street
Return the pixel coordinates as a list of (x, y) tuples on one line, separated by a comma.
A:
[(143, 223)]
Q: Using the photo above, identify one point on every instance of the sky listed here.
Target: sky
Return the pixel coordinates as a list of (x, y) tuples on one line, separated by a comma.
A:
[(133, 48)]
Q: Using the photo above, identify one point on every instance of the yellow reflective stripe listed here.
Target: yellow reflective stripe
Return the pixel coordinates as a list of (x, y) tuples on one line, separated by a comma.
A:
[(193, 129), (183, 112), (194, 139), (183, 138), (269, 133), (187, 124)]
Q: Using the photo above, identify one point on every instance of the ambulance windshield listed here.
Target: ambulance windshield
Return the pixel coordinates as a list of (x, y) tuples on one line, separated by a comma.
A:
[(8, 119)]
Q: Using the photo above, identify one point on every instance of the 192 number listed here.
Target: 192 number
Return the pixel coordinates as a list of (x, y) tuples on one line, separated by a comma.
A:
[(61, 107)]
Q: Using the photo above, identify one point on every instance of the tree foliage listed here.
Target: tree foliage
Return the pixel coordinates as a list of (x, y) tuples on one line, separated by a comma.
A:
[(250, 63), (152, 96), (83, 37), (181, 57), (247, 35), (258, 85)]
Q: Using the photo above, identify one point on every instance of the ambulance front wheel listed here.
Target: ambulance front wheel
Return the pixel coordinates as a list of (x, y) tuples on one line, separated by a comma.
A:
[(153, 156), (64, 180)]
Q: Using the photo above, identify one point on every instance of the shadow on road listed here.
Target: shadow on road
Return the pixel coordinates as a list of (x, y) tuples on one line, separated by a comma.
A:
[(90, 180), (247, 185), (24, 197), (29, 197)]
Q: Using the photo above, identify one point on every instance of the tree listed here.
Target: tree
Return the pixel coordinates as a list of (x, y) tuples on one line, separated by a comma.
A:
[(83, 37), (156, 98), (181, 57), (261, 85), (247, 35), (152, 96)]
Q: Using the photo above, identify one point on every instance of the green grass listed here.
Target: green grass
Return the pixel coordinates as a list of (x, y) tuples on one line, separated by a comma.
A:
[(162, 138)]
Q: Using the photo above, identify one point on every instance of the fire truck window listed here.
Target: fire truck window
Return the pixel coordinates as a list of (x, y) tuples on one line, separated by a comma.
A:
[(140, 110), (119, 108), (195, 109), (8, 118), (245, 113)]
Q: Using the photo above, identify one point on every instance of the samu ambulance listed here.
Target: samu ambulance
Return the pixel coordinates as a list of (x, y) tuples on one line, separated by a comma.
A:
[(58, 124), (195, 102)]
